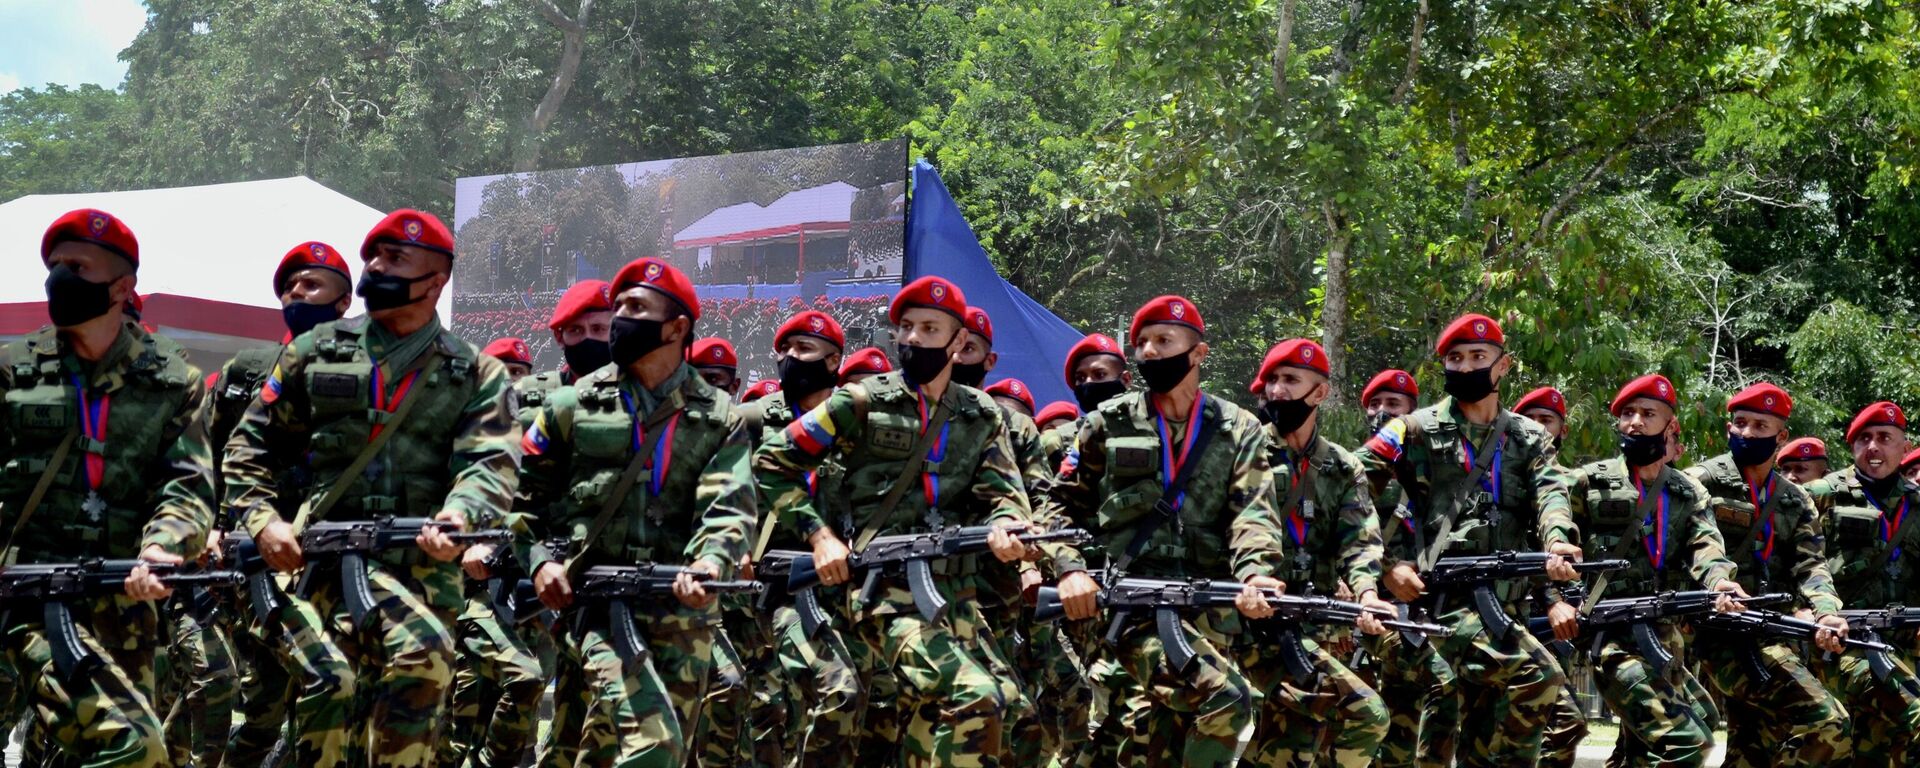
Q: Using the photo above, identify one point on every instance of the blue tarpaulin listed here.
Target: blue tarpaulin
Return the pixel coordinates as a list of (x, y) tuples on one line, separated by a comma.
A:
[(1031, 340)]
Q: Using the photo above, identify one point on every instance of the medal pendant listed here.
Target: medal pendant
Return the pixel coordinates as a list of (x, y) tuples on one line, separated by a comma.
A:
[(94, 506)]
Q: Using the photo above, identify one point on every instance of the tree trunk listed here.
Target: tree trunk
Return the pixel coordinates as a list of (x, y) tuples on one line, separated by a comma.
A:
[(572, 46), (1282, 49), (1333, 313)]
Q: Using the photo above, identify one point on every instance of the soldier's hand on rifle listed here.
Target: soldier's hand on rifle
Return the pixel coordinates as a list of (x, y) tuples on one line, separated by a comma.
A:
[(1565, 620), (142, 584), (1560, 565), (1833, 631), (1252, 600), (1403, 580), (551, 583), (474, 562), (1005, 545), (1729, 599), (1369, 621), (746, 567), (688, 588), (279, 547), (1080, 595), (830, 557), (433, 538), (212, 553)]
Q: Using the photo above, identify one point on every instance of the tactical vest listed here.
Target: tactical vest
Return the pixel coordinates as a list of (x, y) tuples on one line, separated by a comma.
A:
[(534, 391), (233, 392), (1311, 568), (42, 407), (889, 434), (1740, 523), (413, 473), (1195, 542), (1613, 527), (1473, 509), (1865, 573), (594, 419)]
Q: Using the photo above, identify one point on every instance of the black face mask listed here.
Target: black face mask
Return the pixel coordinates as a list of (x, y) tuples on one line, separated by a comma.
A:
[(1751, 451), (805, 377), (1091, 394), (970, 374), (1470, 386), (1643, 450), (388, 292), (1165, 373), (72, 299), (1286, 415), (302, 317), (587, 356), (633, 337), (920, 365)]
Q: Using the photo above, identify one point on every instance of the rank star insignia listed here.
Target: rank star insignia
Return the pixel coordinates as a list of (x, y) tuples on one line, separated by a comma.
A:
[(94, 506)]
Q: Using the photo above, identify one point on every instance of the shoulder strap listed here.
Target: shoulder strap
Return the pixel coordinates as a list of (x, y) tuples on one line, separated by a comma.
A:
[(345, 479), (1760, 518), (39, 493), (628, 477), (1885, 556), (1166, 509), (1481, 465), (915, 461)]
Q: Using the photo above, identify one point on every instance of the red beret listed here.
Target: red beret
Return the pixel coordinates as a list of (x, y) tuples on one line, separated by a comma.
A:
[(1391, 380), (92, 226), (581, 298), (409, 227), (1013, 388), (1803, 449), (1879, 413), (509, 350), (1544, 397), (869, 360), (312, 254), (1093, 344), (1294, 353), (760, 389), (811, 323), (980, 324), (1173, 310), (712, 352), (660, 276), (1059, 409), (1652, 386), (1762, 398), (1912, 458), (1470, 329), (931, 292)]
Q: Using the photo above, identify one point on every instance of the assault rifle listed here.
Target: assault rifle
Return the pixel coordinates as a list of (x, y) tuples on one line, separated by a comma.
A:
[(1872, 624), (52, 587), (1476, 574), (913, 554), (614, 585), (775, 569), (344, 547), (1638, 615)]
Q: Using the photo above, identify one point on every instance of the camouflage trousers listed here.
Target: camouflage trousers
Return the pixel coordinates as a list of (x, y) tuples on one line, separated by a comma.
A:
[(500, 672), (1156, 716), (103, 715), (1062, 697), (954, 694), (266, 689), (1423, 703), (1014, 644), (1886, 716), (746, 708), (1662, 722), (401, 659), (1786, 719), (824, 689), (204, 683), (614, 711), (1328, 704), (1506, 686), (1566, 728)]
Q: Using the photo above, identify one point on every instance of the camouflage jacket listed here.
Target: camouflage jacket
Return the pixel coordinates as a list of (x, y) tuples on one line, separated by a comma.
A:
[(1788, 541), (1430, 448), (1116, 472), (151, 463), (458, 448), (1331, 528), (766, 418), (1871, 545), (530, 393), (228, 395), (1610, 518), (692, 502), (1055, 442)]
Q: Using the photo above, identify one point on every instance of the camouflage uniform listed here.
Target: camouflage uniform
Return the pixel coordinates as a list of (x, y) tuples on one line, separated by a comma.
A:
[(1790, 719), (1872, 569), (1331, 529), (692, 503), (1417, 685), (1431, 448), (1225, 528), (456, 452), (951, 704), (149, 465), (1660, 718)]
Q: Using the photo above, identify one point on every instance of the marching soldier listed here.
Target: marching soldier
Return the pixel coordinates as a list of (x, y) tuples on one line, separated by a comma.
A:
[(864, 364), (1864, 508), (1639, 509), (1204, 461), (716, 362), (760, 389), (1334, 536), (1804, 460), (638, 462), (512, 353), (395, 416), (106, 457), (1056, 425), (1478, 477), (1566, 725), (1785, 717), (921, 454), (1910, 466)]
